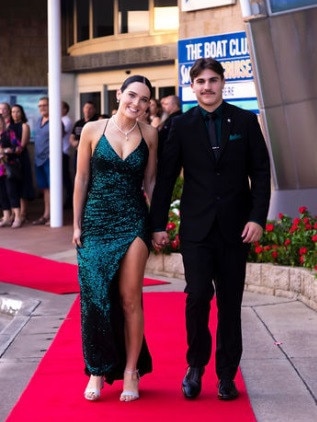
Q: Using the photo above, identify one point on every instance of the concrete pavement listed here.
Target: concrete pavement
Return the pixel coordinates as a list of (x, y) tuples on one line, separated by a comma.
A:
[(279, 362)]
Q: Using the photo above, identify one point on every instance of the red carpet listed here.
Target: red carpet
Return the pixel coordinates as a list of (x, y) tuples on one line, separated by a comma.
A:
[(55, 393), (42, 274)]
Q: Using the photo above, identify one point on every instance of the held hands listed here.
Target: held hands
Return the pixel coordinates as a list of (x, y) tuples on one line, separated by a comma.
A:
[(159, 240), (252, 232)]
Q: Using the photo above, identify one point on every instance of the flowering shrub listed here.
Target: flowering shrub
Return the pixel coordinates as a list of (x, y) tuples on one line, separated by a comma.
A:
[(288, 241), (285, 241), (172, 228)]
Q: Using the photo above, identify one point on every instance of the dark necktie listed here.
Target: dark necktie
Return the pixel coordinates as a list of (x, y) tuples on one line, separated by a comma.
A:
[(212, 133)]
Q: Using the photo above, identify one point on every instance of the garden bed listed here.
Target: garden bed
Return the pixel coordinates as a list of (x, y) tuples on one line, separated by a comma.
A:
[(291, 282)]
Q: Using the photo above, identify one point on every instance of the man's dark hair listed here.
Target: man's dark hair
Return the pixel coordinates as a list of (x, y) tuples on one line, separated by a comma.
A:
[(202, 64), (66, 106)]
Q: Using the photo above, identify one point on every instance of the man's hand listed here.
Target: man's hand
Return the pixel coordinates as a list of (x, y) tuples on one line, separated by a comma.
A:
[(252, 232), (159, 240)]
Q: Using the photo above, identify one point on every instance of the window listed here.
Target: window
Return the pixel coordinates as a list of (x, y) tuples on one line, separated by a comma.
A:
[(165, 15), (102, 18), (82, 7), (285, 6), (28, 97), (133, 16), (67, 22), (164, 91)]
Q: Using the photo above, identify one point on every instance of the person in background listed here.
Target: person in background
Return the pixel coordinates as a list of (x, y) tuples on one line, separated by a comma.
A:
[(22, 132), (89, 115), (103, 116), (67, 179), (6, 219), (5, 110), (10, 185), (145, 117), (114, 180), (171, 108), (224, 206), (42, 158), (155, 112)]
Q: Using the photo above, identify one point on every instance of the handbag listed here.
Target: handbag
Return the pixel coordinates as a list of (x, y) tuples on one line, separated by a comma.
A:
[(13, 170)]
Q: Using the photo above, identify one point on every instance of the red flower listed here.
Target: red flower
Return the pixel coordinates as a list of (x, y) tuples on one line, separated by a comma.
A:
[(258, 249), (315, 226), (274, 254), (302, 210), (287, 242), (269, 227), (302, 259), (314, 238), (293, 228), (170, 226), (175, 243), (303, 250), (280, 216)]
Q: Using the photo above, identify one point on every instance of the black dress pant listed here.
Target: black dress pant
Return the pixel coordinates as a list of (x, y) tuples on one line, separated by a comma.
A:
[(214, 266)]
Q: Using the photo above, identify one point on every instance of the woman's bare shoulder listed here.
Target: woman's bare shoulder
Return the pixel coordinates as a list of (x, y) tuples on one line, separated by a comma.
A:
[(149, 133), (147, 128), (95, 125)]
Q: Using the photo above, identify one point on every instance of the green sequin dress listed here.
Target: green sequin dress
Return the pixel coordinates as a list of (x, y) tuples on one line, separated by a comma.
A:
[(115, 214)]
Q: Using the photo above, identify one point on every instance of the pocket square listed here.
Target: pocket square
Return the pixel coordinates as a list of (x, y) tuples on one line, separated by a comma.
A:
[(234, 137)]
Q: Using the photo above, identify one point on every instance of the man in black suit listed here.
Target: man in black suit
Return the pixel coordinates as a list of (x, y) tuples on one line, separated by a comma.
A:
[(224, 207), (172, 108)]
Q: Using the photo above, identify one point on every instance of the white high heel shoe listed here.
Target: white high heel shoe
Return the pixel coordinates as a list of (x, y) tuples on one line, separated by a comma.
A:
[(131, 395), (93, 393)]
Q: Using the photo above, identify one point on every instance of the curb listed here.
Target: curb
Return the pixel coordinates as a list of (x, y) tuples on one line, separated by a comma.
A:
[(275, 280)]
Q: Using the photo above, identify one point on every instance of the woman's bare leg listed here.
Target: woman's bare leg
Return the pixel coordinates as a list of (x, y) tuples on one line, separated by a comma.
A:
[(130, 285)]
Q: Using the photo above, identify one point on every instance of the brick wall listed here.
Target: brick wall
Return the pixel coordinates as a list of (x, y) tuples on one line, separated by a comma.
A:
[(211, 21), (23, 43)]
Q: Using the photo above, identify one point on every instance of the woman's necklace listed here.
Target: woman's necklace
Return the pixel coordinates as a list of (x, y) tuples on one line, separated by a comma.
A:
[(122, 131)]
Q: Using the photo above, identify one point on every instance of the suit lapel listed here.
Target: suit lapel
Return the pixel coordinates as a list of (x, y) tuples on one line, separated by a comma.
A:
[(225, 129)]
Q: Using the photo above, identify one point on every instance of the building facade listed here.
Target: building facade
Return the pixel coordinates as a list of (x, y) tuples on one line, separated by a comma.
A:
[(104, 41)]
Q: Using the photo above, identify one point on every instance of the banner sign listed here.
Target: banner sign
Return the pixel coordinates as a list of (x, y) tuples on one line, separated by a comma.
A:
[(232, 51)]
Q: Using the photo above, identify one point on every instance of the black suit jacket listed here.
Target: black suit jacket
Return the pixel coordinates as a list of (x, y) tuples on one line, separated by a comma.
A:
[(233, 189), (164, 131)]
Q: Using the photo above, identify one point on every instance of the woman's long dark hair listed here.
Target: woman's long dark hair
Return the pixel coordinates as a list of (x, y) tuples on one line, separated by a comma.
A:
[(137, 78), (23, 115)]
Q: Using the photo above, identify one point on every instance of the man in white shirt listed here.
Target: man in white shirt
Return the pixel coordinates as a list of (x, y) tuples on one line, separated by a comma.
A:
[(67, 179)]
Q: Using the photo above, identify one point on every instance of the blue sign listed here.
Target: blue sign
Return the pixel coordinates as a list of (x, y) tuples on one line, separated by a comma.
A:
[(232, 51)]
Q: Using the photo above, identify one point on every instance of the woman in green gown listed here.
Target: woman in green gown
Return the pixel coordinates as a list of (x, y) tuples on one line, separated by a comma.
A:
[(114, 181)]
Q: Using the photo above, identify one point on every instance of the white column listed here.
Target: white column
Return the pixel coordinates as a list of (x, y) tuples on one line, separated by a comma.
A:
[(54, 93)]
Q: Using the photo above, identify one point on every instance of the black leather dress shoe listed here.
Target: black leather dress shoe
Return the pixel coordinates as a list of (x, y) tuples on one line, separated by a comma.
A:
[(227, 390), (191, 385)]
